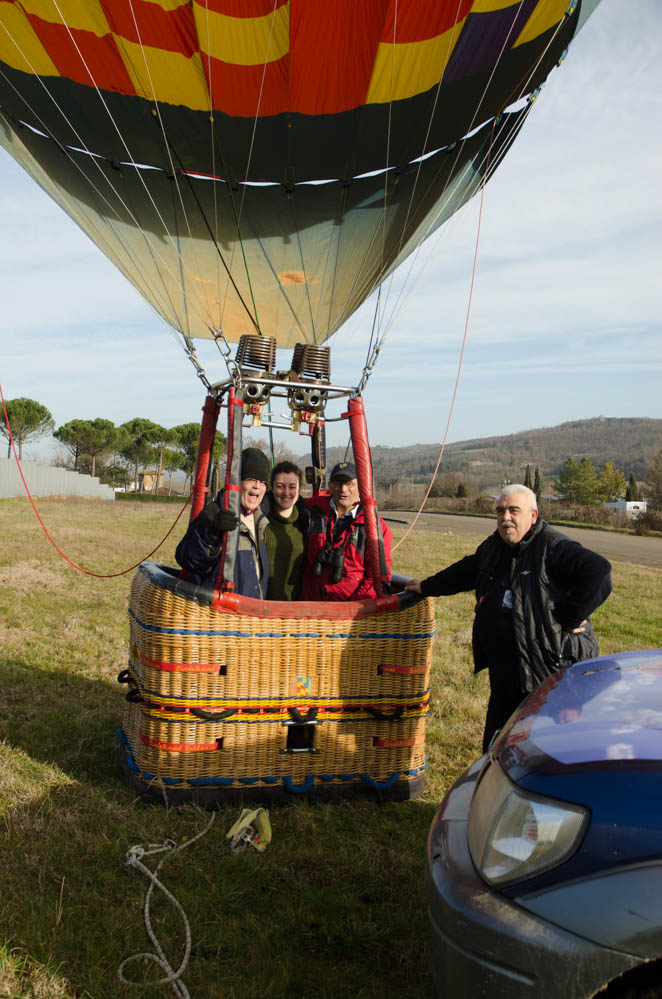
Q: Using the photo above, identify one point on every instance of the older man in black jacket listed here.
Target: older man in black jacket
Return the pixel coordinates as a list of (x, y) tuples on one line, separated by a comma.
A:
[(535, 590)]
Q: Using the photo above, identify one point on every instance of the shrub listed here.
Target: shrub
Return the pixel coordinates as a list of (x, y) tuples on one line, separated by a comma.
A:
[(649, 522)]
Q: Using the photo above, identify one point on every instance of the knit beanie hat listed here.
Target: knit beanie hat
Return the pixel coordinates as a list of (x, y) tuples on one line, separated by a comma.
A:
[(255, 464)]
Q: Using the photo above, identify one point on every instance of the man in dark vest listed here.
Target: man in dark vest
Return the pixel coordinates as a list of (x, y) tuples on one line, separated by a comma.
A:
[(535, 590)]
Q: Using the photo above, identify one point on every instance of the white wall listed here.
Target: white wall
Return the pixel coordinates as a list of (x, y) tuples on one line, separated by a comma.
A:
[(44, 480)]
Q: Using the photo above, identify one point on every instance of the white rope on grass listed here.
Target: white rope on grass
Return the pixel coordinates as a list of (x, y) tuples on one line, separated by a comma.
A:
[(134, 858), (252, 828)]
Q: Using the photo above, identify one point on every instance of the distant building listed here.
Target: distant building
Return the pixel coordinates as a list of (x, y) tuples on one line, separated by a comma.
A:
[(630, 508)]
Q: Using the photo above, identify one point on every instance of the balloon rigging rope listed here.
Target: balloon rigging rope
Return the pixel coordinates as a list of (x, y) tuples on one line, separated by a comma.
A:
[(148, 281), (204, 314), (335, 257), (459, 367), (238, 212), (168, 152), (475, 114), (95, 160), (212, 152), (88, 572), (466, 325), (123, 141), (381, 222), (395, 309), (409, 286)]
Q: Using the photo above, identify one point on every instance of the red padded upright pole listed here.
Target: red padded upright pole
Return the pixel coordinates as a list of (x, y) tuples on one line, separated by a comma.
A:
[(361, 448), (210, 412), (231, 490)]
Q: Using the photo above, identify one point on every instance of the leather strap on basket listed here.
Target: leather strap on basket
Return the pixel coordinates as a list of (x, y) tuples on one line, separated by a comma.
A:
[(383, 716), (300, 719), (212, 716)]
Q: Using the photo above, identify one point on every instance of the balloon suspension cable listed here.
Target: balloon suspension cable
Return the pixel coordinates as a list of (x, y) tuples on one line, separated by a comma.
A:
[(517, 93), (199, 370), (369, 366), (464, 343), (374, 346), (224, 349), (88, 572)]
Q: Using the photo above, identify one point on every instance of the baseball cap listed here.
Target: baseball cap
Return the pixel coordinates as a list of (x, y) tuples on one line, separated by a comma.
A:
[(343, 470)]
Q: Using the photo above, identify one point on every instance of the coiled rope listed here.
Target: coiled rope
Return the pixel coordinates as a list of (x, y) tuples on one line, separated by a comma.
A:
[(252, 828), (134, 859)]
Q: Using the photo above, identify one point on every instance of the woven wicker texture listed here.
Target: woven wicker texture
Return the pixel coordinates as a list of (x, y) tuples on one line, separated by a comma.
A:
[(365, 680), (259, 751)]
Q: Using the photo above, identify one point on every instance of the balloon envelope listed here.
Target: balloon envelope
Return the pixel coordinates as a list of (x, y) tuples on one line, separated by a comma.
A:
[(264, 163)]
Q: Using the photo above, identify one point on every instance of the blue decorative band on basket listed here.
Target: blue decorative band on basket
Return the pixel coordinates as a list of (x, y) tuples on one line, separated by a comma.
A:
[(288, 781), (379, 784), (210, 781), (224, 633), (299, 788), (383, 634), (191, 631)]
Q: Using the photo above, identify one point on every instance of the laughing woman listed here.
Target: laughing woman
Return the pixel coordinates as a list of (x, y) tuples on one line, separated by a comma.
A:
[(285, 536)]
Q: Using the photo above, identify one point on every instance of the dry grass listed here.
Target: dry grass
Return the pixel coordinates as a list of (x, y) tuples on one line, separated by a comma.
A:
[(334, 906)]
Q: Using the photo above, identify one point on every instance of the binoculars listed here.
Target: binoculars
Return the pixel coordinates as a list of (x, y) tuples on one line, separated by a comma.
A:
[(335, 557)]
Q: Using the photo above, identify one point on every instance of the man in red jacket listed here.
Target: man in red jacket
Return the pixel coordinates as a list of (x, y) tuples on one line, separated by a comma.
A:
[(335, 566)]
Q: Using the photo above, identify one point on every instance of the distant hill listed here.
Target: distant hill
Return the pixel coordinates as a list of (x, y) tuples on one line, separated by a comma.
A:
[(487, 461)]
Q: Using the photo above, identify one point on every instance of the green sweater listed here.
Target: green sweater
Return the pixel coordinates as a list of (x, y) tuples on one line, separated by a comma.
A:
[(285, 547)]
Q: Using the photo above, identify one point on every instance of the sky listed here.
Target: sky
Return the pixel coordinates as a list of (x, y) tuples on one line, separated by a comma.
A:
[(564, 321)]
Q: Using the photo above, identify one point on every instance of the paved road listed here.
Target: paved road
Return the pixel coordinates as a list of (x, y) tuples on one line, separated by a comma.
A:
[(615, 547)]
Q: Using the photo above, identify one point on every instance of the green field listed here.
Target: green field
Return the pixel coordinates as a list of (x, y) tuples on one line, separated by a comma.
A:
[(334, 907)]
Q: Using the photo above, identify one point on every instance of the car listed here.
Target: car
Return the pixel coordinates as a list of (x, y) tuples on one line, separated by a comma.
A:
[(544, 861)]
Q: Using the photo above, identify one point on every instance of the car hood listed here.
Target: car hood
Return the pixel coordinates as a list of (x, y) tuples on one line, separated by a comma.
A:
[(603, 710)]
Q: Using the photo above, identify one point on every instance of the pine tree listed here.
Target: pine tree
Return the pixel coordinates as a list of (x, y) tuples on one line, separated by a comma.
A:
[(654, 480), (537, 485), (632, 491), (28, 420), (527, 478)]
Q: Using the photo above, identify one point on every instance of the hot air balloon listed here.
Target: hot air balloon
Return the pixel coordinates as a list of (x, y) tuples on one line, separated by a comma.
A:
[(256, 168)]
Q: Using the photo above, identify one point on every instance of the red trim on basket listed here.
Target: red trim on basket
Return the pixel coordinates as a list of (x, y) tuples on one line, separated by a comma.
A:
[(177, 747), (402, 670), (417, 740), (304, 610), (169, 667)]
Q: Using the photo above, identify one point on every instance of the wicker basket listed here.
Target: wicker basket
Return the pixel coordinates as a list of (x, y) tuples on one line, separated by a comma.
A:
[(230, 696)]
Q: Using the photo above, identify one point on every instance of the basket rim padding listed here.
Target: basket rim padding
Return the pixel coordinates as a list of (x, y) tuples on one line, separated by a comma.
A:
[(166, 577)]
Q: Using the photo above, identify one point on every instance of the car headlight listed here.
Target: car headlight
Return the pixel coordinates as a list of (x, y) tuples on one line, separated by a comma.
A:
[(515, 835)]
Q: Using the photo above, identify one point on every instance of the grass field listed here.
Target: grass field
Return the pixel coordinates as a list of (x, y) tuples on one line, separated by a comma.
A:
[(334, 907)]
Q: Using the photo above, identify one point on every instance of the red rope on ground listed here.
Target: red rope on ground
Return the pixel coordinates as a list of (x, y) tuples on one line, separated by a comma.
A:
[(88, 572), (464, 341)]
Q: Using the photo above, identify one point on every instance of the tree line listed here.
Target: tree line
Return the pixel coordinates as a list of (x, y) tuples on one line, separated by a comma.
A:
[(116, 454)]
